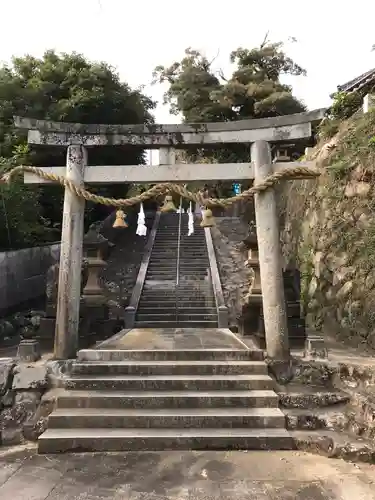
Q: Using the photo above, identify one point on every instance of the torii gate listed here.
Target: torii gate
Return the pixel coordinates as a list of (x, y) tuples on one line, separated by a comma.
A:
[(259, 132)]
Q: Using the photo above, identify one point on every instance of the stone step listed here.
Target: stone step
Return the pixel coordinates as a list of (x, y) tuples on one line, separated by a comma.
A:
[(198, 299), (185, 276), (174, 324), (145, 368), (161, 254), (185, 293), (170, 418), (170, 355), (193, 254), (166, 259), (155, 301), (91, 440), (175, 316), (197, 286), (166, 305), (169, 383), (167, 266), (187, 309), (172, 399)]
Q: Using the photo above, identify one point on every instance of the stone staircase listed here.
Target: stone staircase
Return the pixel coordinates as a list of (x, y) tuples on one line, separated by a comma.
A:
[(177, 291), (118, 400)]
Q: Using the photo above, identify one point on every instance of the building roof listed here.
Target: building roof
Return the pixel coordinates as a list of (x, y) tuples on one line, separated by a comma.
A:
[(359, 82)]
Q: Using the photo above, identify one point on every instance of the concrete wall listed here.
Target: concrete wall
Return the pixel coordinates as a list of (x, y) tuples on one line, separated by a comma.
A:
[(23, 274)]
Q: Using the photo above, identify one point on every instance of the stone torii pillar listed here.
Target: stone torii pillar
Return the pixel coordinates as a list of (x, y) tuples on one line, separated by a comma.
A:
[(269, 248), (69, 289)]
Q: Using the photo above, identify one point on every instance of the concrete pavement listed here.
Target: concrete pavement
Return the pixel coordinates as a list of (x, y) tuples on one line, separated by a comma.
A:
[(182, 476)]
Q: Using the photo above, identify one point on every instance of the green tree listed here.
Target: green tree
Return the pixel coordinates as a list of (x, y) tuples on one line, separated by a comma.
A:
[(62, 87), (253, 91)]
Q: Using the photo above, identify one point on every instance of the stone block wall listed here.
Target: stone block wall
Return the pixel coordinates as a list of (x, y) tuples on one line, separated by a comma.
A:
[(25, 401), (231, 255), (23, 274), (330, 232)]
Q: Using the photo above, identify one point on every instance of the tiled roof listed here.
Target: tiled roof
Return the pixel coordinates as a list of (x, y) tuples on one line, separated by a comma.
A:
[(359, 82)]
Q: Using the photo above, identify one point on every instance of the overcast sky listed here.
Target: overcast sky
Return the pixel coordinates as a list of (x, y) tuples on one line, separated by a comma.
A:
[(334, 39)]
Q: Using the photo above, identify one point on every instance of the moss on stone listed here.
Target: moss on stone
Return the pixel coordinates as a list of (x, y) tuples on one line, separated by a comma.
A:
[(330, 232)]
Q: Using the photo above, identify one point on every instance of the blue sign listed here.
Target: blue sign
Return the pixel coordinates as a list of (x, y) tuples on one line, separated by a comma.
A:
[(237, 188)]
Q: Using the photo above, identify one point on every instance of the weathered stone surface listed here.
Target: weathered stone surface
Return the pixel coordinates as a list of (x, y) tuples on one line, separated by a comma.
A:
[(334, 445), (6, 367), (7, 399), (30, 377), (312, 373), (56, 370), (316, 419), (315, 399), (281, 370), (231, 256), (37, 423), (23, 409)]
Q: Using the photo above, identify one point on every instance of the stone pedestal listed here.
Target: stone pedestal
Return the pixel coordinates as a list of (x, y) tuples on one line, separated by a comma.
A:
[(315, 348), (29, 351)]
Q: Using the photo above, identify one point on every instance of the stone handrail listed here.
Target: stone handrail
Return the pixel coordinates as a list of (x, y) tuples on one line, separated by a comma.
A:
[(131, 309), (222, 310)]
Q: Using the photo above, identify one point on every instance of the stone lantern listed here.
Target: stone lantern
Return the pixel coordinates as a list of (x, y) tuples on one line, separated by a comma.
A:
[(252, 307), (94, 248)]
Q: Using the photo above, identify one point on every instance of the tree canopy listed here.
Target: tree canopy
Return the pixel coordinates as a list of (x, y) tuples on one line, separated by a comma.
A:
[(253, 91), (60, 87)]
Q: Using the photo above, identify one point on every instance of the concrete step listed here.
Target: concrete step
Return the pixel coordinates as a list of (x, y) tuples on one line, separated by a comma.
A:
[(202, 310), (153, 303), (90, 440), (170, 418), (175, 305), (199, 301), (174, 324), (172, 399), (175, 316), (145, 368), (168, 266), (170, 260), (170, 355), (191, 291), (161, 290), (169, 383)]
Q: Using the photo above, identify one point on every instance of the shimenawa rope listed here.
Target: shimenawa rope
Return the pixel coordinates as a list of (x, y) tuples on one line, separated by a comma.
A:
[(166, 187)]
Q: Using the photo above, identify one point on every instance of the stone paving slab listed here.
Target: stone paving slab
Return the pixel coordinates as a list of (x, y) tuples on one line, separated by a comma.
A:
[(174, 338), (183, 476)]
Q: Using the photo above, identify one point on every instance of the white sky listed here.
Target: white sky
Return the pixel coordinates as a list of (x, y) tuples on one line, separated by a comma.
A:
[(334, 39)]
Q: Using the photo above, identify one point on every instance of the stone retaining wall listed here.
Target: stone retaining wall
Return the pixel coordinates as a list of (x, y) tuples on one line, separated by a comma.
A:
[(231, 255), (23, 274), (25, 401)]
